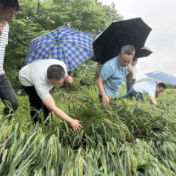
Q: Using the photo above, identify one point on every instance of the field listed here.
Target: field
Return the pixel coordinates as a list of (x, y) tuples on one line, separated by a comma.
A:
[(124, 138)]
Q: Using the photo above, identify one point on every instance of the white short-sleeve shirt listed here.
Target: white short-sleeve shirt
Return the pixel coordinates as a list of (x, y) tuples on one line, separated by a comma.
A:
[(148, 88), (35, 74)]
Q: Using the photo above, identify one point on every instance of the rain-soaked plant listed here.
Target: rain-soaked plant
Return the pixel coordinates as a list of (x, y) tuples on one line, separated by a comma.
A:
[(126, 138)]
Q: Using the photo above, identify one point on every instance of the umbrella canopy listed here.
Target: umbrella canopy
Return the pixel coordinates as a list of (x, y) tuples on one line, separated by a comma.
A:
[(162, 76), (126, 32), (142, 52), (65, 44)]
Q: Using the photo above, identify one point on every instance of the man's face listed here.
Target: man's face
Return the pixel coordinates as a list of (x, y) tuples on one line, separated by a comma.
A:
[(159, 90), (125, 59), (55, 82), (134, 63), (7, 14)]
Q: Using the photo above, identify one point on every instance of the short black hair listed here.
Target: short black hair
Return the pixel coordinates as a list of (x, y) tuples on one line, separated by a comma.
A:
[(10, 4), (162, 85), (56, 72), (135, 58)]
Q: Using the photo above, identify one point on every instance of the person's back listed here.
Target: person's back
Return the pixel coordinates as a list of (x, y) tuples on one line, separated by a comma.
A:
[(35, 74), (37, 79), (148, 88)]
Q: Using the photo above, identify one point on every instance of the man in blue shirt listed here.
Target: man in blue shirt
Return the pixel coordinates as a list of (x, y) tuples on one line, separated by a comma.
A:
[(114, 72)]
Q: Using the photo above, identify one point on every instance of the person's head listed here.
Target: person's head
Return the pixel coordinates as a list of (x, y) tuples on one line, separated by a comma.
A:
[(160, 88), (135, 61), (8, 9), (55, 75), (126, 55)]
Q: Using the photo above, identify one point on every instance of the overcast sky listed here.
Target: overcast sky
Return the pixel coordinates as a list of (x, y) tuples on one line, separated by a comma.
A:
[(160, 15)]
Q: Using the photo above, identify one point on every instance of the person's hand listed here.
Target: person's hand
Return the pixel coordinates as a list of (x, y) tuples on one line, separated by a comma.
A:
[(105, 99), (2, 24), (76, 125), (69, 79), (130, 69)]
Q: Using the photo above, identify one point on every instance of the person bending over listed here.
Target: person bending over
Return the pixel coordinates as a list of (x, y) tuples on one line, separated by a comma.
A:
[(37, 79), (114, 72), (148, 88)]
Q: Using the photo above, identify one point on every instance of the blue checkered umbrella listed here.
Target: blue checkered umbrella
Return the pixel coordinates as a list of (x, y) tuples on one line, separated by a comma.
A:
[(162, 76), (65, 44)]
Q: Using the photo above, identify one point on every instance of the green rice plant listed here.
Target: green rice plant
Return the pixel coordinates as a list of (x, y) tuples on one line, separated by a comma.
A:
[(124, 138)]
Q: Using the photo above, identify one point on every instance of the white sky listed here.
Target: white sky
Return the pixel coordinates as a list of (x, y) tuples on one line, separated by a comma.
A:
[(160, 15)]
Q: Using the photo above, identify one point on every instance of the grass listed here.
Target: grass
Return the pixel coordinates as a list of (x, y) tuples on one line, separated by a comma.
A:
[(126, 137)]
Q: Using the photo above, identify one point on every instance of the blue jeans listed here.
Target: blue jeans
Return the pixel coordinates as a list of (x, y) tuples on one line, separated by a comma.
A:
[(132, 93), (130, 84)]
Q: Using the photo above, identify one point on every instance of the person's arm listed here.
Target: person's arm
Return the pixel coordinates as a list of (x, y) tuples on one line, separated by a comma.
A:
[(129, 77), (105, 98), (68, 79), (50, 104), (153, 100), (2, 25)]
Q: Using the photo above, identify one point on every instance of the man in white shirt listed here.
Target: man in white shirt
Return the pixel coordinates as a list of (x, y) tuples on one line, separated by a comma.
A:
[(8, 9), (37, 79), (148, 88), (132, 82)]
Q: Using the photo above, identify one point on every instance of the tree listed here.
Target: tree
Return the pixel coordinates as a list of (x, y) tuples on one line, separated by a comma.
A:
[(35, 19)]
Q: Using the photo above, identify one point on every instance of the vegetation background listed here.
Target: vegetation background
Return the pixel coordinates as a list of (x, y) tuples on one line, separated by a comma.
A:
[(35, 19), (124, 138)]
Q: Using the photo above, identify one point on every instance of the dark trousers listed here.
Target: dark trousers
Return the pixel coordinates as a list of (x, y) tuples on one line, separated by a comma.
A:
[(132, 93), (7, 95), (36, 104), (130, 84)]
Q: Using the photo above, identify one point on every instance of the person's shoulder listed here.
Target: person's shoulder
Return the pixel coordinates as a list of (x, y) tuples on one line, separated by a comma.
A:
[(151, 84), (6, 27), (111, 63), (58, 62)]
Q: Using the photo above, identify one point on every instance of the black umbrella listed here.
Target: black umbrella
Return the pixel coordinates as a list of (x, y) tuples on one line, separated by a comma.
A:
[(143, 52), (127, 32)]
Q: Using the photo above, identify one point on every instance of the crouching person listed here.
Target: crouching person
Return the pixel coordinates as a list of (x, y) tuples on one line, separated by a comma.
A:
[(148, 88), (37, 79)]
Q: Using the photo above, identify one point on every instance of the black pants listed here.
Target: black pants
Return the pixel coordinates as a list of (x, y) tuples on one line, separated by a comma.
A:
[(36, 104), (7, 95)]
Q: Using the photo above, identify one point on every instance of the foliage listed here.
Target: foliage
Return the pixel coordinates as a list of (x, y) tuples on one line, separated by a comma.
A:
[(86, 74), (84, 15), (123, 138)]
